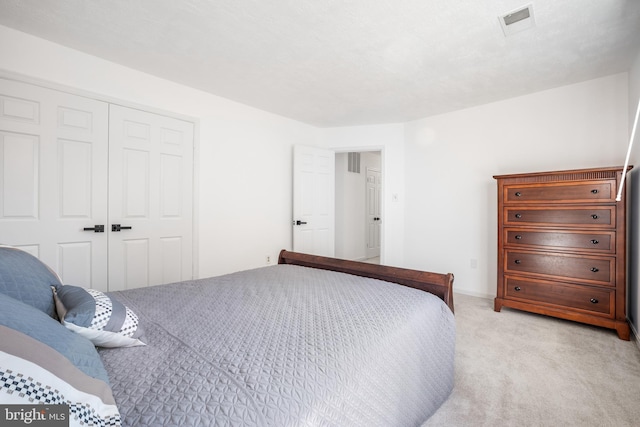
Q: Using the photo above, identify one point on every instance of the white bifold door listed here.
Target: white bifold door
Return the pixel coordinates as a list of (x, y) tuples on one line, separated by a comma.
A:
[(53, 179), (76, 173), (150, 199)]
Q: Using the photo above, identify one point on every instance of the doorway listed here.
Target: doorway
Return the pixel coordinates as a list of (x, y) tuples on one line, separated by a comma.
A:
[(358, 205)]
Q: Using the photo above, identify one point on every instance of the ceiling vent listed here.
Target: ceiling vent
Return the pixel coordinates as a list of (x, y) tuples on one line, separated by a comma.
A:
[(517, 20)]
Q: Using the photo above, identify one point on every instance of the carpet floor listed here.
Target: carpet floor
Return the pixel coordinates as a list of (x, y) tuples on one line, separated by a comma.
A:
[(521, 369)]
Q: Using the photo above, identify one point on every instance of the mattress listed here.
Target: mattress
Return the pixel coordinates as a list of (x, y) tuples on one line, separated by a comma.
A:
[(284, 345)]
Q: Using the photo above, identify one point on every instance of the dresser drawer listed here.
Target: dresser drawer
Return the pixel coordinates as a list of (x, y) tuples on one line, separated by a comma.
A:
[(574, 217), (588, 269), (602, 242), (596, 191), (587, 298)]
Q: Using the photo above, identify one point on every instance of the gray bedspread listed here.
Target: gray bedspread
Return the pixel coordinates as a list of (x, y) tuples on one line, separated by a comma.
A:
[(284, 346)]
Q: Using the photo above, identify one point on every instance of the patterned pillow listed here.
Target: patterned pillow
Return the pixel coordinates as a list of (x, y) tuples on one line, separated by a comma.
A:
[(98, 317), (32, 373), (36, 324), (27, 279)]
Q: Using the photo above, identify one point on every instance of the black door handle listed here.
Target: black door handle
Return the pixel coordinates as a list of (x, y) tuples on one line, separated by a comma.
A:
[(118, 227), (95, 229), (298, 222)]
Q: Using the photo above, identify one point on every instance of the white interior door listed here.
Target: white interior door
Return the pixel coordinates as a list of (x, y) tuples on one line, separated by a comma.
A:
[(53, 185), (150, 199), (314, 200), (373, 218)]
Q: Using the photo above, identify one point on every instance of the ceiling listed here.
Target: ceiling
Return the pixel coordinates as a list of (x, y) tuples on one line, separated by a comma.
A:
[(340, 63)]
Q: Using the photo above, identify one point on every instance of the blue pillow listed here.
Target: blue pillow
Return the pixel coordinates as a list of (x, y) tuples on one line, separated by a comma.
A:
[(34, 323), (27, 279)]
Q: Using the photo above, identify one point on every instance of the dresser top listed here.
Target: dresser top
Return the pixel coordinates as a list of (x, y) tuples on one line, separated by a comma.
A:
[(566, 175)]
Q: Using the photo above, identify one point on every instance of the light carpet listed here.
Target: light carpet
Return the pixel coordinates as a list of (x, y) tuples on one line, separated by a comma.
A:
[(521, 369)]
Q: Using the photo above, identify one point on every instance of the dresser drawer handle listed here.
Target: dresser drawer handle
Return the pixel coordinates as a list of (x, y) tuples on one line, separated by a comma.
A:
[(517, 261), (518, 194), (518, 237), (594, 269), (593, 300), (594, 191), (517, 288), (518, 215), (594, 216), (594, 241)]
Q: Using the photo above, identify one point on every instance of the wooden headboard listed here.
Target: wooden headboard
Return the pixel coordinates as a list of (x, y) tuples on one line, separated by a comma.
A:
[(440, 285)]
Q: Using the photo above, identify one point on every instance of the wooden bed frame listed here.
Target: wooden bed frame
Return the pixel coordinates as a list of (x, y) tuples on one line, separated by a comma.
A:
[(440, 285)]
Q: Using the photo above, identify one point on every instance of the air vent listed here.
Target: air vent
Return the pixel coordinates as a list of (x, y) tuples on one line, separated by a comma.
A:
[(354, 162), (518, 16), (517, 20)]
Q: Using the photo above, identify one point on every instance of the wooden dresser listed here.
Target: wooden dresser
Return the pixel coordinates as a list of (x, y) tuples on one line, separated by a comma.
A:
[(562, 244)]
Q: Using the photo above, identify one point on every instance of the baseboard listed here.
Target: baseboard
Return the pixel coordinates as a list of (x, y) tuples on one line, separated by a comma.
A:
[(634, 335), (471, 293)]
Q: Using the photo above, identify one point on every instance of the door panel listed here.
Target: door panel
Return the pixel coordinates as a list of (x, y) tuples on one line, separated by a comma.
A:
[(135, 184), (373, 219), (74, 261), (20, 163), (170, 189), (172, 254), (53, 153), (74, 164), (134, 262), (151, 186)]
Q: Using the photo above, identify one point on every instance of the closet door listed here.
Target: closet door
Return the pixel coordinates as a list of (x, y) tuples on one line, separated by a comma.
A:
[(150, 199), (53, 179)]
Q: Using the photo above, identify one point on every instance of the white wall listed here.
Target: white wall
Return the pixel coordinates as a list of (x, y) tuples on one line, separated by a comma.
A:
[(450, 200), (445, 215), (389, 139), (244, 154)]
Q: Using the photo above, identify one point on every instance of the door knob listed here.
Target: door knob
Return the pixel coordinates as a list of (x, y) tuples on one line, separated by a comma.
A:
[(95, 229), (118, 227), (298, 222)]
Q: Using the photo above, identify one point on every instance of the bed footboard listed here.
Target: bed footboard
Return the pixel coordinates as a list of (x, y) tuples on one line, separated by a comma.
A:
[(438, 284)]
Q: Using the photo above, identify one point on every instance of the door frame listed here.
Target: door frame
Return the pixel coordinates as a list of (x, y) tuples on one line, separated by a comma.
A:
[(381, 150), (9, 75)]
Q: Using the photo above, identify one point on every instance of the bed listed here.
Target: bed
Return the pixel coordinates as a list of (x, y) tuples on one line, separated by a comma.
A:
[(312, 341)]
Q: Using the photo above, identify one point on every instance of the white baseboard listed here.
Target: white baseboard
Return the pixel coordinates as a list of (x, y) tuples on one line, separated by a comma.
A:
[(472, 293), (634, 335)]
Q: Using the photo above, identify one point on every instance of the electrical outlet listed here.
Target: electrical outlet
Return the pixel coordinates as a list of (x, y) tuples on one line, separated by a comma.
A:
[(268, 259)]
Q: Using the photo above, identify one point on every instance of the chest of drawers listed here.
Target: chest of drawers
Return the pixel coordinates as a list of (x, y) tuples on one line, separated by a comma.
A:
[(562, 245)]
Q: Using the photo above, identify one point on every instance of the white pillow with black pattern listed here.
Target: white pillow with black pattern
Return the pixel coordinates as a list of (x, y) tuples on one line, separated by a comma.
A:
[(33, 373), (96, 316)]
